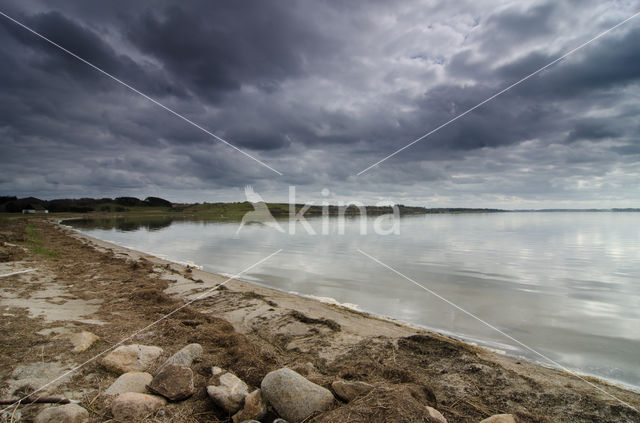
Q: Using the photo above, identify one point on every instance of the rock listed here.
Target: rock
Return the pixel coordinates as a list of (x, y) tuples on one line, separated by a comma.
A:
[(81, 341), (135, 406), (68, 413), (500, 418), (436, 415), (173, 382), (184, 357), (228, 391), (27, 378), (131, 358), (280, 421), (254, 408), (293, 396), (130, 382), (348, 391)]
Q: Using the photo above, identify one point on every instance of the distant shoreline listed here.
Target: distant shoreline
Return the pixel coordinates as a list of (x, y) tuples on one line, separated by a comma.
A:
[(90, 206)]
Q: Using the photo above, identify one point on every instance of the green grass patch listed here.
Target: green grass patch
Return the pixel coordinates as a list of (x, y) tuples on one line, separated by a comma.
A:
[(34, 239)]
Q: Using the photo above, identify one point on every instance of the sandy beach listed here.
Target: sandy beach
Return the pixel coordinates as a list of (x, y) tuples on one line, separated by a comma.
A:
[(67, 282)]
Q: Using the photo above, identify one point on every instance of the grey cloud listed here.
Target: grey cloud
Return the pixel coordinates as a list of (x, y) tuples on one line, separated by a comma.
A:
[(219, 47), (87, 44), (593, 129), (321, 90), (517, 24), (611, 62)]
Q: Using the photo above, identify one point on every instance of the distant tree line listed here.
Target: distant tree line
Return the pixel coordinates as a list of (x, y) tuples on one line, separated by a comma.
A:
[(13, 204)]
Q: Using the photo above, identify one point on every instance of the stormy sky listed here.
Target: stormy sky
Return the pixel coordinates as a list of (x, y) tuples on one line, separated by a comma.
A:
[(320, 90)]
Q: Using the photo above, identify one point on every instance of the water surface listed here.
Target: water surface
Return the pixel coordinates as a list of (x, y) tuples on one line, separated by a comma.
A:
[(565, 284)]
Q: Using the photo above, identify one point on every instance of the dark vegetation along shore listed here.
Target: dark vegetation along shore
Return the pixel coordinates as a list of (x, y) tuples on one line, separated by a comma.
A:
[(132, 205), (226, 211), (70, 299)]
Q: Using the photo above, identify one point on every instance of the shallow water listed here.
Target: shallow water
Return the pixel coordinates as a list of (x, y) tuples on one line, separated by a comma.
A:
[(566, 285)]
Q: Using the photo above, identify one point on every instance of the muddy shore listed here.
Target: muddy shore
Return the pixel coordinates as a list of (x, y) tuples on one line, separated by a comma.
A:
[(80, 283)]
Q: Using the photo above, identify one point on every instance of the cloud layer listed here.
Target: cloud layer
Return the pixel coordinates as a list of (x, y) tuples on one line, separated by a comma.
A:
[(320, 91)]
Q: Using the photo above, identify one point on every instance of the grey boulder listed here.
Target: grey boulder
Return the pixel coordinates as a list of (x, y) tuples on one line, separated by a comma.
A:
[(131, 358), (227, 390), (173, 382), (184, 357), (254, 408), (293, 396), (68, 413), (135, 406), (129, 382)]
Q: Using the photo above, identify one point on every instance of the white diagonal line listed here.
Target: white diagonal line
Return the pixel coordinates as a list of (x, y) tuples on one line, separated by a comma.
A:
[(189, 121), (496, 329), (499, 93), (144, 328), (18, 272)]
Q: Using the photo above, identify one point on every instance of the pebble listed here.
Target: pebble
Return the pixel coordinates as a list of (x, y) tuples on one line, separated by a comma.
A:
[(184, 357), (135, 406), (227, 390), (435, 415), (82, 341), (293, 396), (173, 382), (131, 358), (68, 413), (130, 382), (254, 408)]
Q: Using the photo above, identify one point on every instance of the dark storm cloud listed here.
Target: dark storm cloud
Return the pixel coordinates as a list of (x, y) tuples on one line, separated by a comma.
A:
[(219, 46), (593, 129), (321, 90), (87, 44), (512, 27), (610, 63)]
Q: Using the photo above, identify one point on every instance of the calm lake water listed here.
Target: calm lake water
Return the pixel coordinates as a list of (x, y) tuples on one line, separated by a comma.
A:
[(565, 284)]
